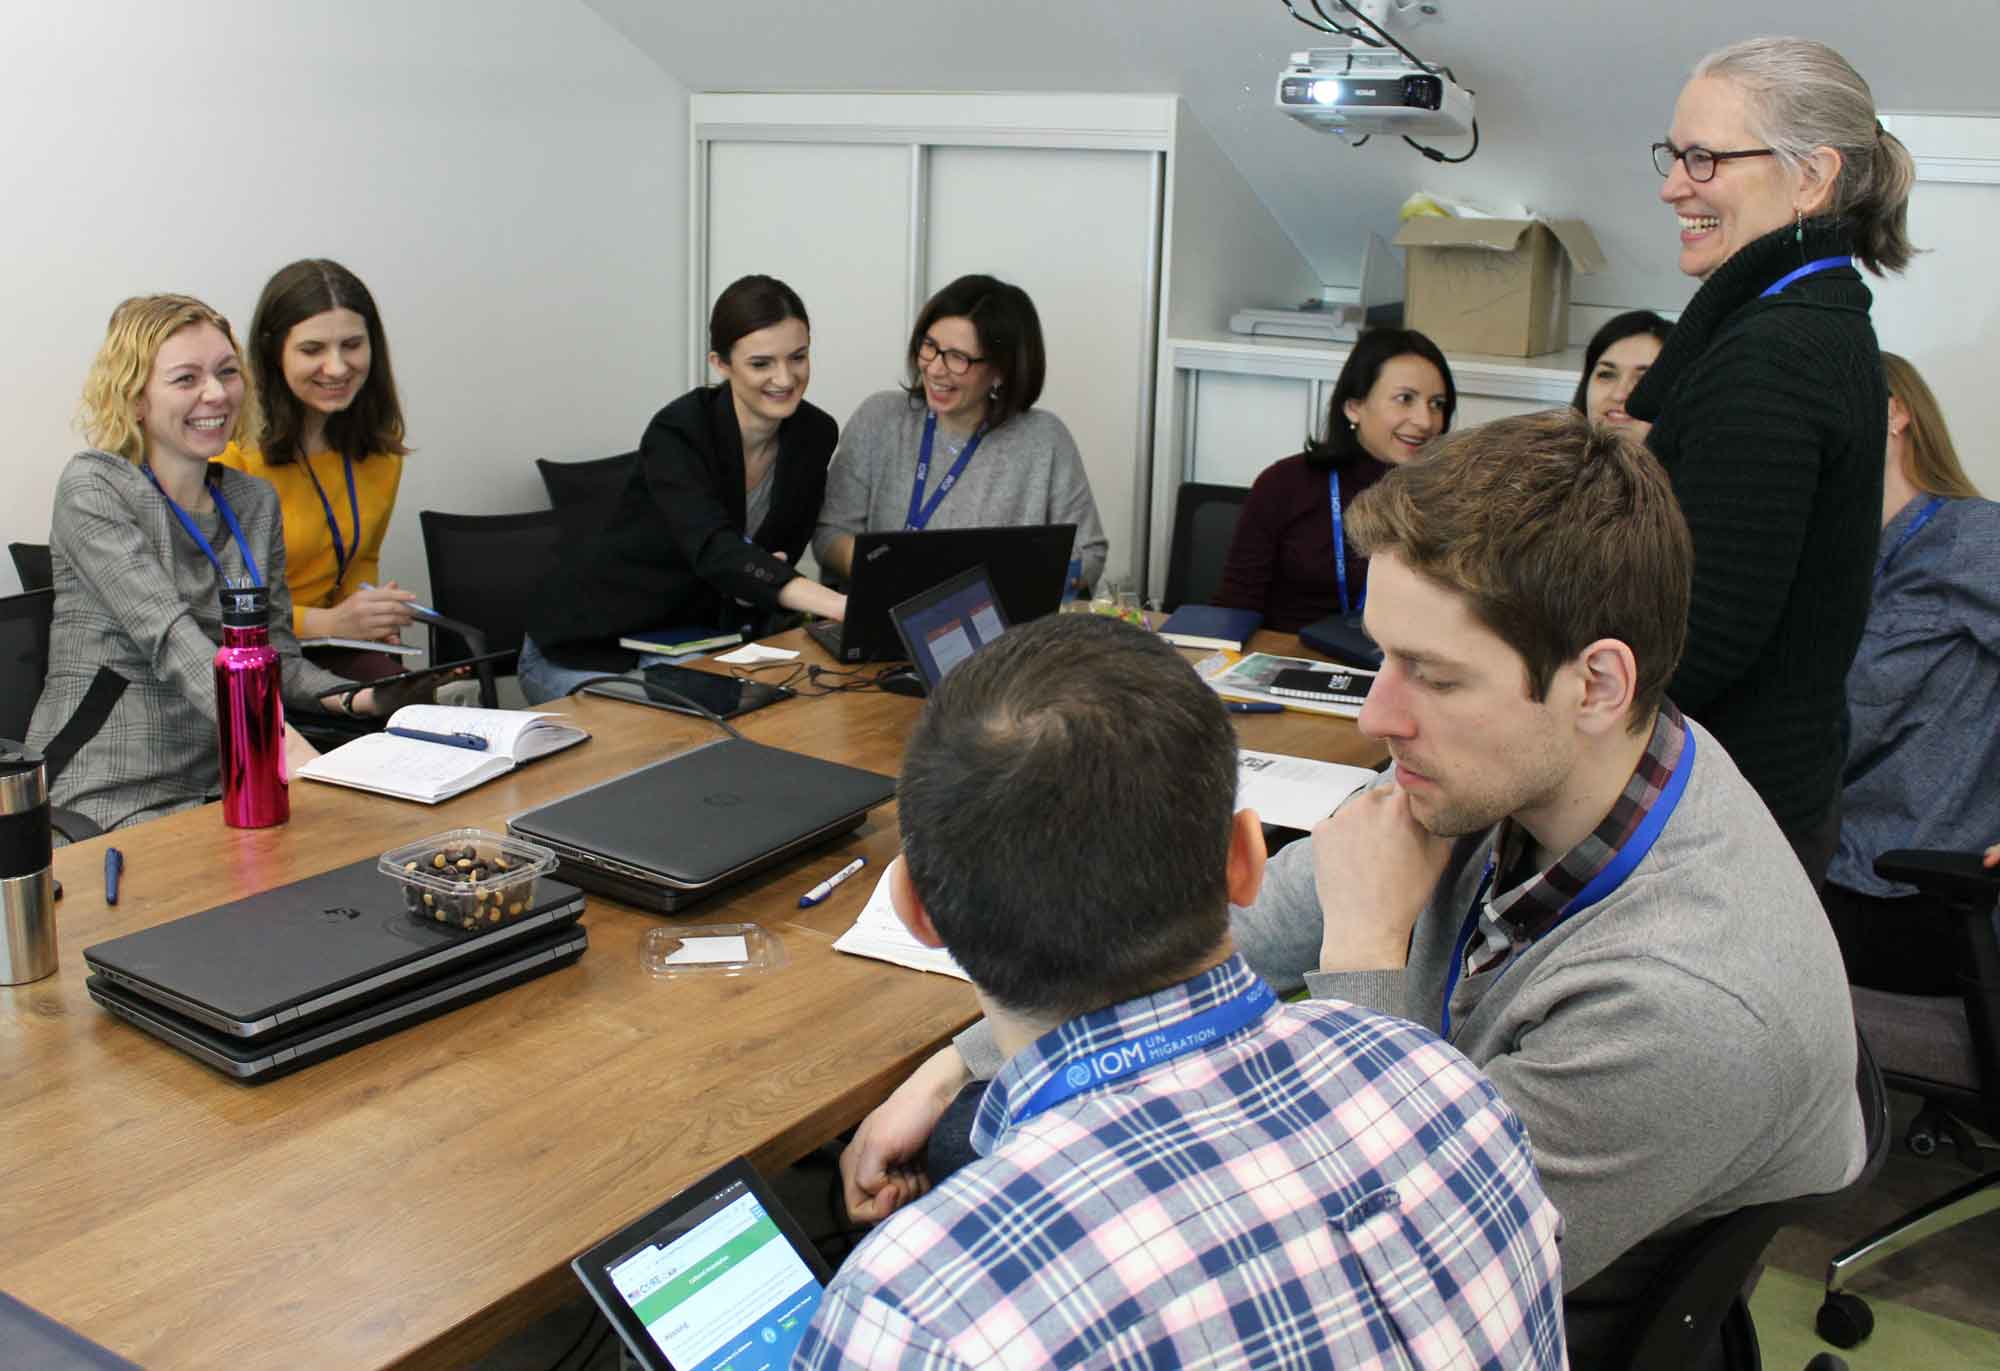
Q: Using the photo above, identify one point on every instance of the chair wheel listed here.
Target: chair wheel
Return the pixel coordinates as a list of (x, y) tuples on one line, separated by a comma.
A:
[(1844, 1320), (1826, 1361), (1921, 1141)]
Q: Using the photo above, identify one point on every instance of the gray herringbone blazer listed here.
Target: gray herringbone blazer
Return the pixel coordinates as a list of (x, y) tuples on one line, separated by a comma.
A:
[(133, 593)]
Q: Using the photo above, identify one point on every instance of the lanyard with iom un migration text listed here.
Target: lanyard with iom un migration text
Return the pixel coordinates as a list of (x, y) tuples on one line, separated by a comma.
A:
[(201, 539), (341, 554), (1101, 1065), (920, 511), (1602, 884), (1823, 264), (1931, 507), (1340, 548)]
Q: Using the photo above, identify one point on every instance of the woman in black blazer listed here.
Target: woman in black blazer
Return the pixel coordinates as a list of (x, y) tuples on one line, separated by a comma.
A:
[(710, 527)]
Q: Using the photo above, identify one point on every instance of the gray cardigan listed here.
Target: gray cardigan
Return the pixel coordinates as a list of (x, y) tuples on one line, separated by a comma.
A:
[(135, 595), (1027, 471), (1681, 1049)]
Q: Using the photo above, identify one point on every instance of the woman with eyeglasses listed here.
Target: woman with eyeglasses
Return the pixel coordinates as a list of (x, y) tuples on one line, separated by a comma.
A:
[(1288, 558), (1768, 406), (961, 445)]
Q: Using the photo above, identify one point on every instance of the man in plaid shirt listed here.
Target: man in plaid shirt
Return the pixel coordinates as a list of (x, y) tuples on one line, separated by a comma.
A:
[(1174, 1168)]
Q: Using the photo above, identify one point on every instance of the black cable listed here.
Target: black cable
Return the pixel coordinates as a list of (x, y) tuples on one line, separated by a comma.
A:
[(589, 1322), (595, 1348), (654, 688), (1387, 38), (1315, 27), (1437, 156), (1333, 26)]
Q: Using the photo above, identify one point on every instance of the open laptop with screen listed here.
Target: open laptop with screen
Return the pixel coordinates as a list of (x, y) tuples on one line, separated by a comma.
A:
[(718, 1276), (948, 623), (1027, 564)]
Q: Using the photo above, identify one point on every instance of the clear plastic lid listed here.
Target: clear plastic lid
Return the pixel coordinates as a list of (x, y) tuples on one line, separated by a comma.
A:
[(674, 950)]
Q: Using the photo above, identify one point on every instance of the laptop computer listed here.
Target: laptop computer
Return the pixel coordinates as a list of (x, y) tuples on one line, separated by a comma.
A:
[(275, 1055), (284, 958), (721, 1275), (668, 834), (948, 623), (1027, 565)]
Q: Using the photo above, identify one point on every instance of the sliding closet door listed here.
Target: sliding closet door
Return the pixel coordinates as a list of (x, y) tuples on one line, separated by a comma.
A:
[(832, 220), (1075, 229)]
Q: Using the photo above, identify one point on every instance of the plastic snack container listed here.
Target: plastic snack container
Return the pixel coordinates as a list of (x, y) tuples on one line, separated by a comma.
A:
[(468, 878), (676, 950)]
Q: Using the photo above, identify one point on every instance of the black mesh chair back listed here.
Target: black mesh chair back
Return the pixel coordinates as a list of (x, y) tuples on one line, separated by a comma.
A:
[(486, 569), (583, 493), (24, 657), (31, 564), (1204, 523)]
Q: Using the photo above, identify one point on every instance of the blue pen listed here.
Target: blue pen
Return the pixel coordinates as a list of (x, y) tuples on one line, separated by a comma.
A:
[(114, 865), (471, 742), (825, 887), (420, 609), (1255, 707)]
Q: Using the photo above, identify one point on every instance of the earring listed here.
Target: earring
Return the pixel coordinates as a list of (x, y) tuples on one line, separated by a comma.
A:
[(1798, 226)]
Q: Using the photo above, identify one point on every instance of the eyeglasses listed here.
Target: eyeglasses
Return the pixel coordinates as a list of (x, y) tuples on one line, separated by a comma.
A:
[(1700, 162), (955, 362)]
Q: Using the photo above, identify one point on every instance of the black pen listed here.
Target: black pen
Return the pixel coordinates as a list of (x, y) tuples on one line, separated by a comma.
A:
[(471, 742), (1255, 707), (114, 863)]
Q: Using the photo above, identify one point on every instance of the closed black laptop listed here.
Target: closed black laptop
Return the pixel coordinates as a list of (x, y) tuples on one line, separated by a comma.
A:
[(1027, 566), (303, 952), (278, 1054), (670, 833)]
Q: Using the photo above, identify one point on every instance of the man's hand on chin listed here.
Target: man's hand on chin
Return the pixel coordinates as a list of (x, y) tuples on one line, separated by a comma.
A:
[(1375, 867)]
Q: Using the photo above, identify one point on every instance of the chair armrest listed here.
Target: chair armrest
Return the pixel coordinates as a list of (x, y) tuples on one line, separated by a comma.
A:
[(73, 827), (1942, 874)]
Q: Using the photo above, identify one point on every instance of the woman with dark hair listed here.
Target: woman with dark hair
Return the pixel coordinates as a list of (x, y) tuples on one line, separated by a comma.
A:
[(1923, 701), (330, 438), (1286, 560), (976, 364), (716, 513), (1768, 405), (1619, 355)]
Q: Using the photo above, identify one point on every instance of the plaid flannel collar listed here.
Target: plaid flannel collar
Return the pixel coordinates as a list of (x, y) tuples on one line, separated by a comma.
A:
[(1531, 908), (1027, 1069)]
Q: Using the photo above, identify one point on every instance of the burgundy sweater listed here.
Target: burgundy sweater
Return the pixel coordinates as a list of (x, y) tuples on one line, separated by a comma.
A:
[(1281, 559)]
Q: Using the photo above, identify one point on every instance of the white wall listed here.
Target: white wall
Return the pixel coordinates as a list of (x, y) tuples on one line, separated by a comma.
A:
[(509, 177)]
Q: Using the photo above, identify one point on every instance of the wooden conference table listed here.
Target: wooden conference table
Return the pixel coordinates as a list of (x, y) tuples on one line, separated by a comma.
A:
[(414, 1201)]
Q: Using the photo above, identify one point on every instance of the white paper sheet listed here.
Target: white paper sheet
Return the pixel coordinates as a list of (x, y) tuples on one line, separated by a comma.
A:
[(878, 933), (751, 654), (692, 951), (1294, 792)]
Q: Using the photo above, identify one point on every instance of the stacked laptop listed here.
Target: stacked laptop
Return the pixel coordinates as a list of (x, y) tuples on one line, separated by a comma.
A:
[(266, 985)]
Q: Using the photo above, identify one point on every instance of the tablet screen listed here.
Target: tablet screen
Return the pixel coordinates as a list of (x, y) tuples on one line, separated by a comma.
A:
[(718, 1286)]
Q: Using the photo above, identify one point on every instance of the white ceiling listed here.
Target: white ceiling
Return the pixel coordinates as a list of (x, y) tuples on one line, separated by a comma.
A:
[(1570, 93)]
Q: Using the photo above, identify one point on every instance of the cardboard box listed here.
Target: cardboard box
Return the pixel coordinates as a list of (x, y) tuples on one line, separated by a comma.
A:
[(1494, 285)]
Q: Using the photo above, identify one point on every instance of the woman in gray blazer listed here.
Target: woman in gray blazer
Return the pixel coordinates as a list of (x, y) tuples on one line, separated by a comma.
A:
[(145, 533)]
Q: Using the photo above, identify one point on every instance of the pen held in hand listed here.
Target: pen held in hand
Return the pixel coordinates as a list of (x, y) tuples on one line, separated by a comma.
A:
[(471, 742), (826, 887)]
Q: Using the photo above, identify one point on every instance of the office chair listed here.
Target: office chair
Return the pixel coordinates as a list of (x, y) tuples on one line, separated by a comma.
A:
[(582, 493), (24, 666), (1699, 1315), (1204, 522), (31, 564), (1945, 1049), (485, 569)]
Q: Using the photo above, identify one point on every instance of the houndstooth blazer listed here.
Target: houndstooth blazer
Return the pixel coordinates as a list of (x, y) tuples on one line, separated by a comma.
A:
[(134, 594)]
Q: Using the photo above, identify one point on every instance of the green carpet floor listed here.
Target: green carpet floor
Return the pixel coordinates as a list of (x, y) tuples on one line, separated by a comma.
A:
[(1904, 1339)]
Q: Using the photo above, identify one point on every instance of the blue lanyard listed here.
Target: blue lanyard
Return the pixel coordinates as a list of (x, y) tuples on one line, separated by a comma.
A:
[(341, 556), (1602, 884), (920, 512), (1340, 548), (1106, 1064), (201, 539), (1931, 507), (1823, 264)]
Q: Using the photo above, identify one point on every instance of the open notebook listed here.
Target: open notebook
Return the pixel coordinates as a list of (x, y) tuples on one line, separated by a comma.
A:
[(878, 933), (411, 769)]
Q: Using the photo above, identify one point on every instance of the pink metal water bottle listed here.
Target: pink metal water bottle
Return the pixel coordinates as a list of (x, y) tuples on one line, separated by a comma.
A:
[(250, 713)]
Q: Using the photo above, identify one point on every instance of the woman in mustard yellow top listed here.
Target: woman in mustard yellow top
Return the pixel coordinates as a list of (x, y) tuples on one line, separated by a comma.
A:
[(330, 438)]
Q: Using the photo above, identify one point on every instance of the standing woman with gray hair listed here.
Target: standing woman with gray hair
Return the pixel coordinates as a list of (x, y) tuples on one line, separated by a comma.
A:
[(1768, 405)]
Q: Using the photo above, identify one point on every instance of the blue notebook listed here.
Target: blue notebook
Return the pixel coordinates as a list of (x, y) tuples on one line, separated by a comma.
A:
[(1211, 626)]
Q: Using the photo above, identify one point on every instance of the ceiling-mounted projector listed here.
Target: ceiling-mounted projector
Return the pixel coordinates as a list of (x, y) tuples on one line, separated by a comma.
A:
[(1340, 90)]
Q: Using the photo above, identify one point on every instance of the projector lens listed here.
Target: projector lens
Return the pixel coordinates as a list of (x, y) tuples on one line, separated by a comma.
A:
[(1326, 92)]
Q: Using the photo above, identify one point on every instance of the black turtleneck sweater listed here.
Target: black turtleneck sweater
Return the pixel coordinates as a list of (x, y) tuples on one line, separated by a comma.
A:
[(1770, 417)]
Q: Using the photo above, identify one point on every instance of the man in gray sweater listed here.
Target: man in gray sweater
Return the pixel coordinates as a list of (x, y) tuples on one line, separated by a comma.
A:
[(1561, 875)]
